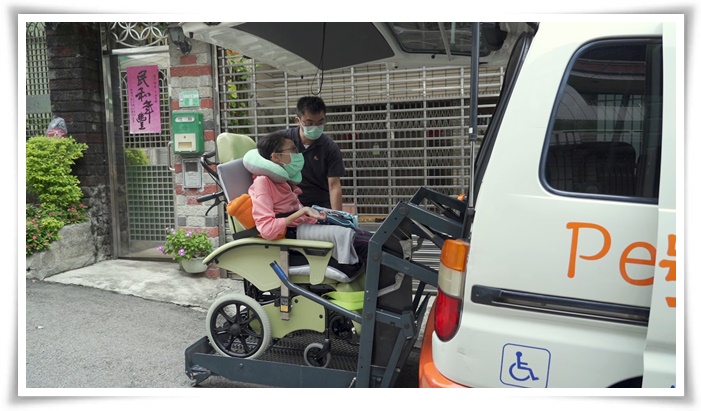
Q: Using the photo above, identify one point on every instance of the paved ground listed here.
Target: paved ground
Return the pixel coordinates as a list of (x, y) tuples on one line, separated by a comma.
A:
[(85, 338), (109, 324), (152, 280)]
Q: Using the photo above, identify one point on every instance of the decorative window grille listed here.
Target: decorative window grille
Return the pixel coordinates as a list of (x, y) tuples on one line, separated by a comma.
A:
[(38, 113), (130, 34)]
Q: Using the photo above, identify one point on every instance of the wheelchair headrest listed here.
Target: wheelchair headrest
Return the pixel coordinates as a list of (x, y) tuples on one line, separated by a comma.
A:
[(234, 178), (232, 146)]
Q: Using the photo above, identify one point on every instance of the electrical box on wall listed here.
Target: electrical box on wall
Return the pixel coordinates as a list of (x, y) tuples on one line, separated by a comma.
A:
[(188, 133), (192, 173)]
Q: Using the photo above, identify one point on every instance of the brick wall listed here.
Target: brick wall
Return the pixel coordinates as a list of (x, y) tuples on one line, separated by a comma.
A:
[(194, 72), (75, 83)]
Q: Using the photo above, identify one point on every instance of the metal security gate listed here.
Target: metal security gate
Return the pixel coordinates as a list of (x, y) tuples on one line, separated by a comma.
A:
[(150, 187), (38, 113), (398, 129), (144, 197)]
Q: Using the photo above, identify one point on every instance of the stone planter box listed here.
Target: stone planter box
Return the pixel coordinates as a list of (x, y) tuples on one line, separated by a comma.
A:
[(75, 249)]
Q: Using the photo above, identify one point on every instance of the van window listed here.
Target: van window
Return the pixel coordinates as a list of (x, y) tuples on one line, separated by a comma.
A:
[(607, 127)]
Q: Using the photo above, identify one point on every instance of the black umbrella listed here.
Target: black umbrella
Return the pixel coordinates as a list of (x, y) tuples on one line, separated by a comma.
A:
[(306, 48), (327, 46)]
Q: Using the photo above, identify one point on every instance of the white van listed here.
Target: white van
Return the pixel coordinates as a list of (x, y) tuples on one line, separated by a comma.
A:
[(568, 278)]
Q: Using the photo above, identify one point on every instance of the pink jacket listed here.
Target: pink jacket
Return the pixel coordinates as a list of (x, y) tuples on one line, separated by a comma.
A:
[(269, 199)]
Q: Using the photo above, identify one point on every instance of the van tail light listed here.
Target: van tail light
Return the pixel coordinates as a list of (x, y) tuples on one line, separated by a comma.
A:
[(451, 284)]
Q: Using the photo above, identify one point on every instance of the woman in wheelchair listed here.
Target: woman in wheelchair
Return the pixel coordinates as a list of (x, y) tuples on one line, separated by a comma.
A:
[(276, 168)]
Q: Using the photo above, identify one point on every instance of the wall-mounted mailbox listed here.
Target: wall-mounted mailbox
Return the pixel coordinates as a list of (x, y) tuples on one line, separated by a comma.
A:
[(188, 133)]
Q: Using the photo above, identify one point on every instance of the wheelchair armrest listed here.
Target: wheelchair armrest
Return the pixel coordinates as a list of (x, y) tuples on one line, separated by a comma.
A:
[(318, 253)]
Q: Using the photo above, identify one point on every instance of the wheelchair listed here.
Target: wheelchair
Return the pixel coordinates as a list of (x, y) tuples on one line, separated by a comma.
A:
[(290, 285)]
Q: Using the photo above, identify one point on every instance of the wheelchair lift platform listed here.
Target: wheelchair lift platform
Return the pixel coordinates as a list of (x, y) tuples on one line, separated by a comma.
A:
[(390, 322), (287, 358)]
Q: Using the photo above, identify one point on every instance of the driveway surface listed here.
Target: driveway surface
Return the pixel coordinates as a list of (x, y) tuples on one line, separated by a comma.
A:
[(83, 337)]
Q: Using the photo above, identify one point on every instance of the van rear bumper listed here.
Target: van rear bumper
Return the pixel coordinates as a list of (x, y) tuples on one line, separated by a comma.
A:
[(429, 376)]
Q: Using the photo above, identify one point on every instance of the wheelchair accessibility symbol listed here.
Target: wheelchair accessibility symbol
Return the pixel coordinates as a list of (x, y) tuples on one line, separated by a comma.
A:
[(523, 366)]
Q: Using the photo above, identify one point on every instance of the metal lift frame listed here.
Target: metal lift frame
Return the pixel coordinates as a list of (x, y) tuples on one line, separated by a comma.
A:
[(201, 361)]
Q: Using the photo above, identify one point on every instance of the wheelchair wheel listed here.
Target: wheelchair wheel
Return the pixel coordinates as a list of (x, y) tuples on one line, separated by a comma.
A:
[(237, 326), (312, 358), (341, 327)]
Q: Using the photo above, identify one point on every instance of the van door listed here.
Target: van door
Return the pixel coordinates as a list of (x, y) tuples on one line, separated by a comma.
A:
[(563, 247), (660, 347)]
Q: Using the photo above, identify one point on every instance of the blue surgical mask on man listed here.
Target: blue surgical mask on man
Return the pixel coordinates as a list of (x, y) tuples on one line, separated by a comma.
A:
[(313, 132)]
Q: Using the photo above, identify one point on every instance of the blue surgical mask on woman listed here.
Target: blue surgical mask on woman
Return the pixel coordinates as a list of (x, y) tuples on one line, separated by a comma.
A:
[(313, 132)]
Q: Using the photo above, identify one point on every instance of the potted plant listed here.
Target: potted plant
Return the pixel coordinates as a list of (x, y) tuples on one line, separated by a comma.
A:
[(187, 248)]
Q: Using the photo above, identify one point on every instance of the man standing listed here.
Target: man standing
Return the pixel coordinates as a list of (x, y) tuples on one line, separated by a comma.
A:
[(323, 162)]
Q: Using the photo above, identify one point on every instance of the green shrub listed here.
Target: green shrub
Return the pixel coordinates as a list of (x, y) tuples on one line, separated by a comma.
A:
[(43, 225), (136, 157), (238, 92), (49, 178), (41, 233), (51, 182)]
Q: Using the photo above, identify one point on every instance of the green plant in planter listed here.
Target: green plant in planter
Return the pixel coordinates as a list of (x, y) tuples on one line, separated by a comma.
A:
[(186, 245)]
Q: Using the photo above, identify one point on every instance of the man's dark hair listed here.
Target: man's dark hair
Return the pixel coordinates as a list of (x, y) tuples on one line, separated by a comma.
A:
[(271, 143), (311, 105)]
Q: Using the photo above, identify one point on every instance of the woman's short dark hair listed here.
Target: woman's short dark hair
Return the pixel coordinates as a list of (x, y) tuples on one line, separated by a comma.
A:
[(271, 143)]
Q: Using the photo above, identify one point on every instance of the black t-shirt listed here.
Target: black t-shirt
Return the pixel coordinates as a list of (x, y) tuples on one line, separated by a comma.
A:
[(322, 160)]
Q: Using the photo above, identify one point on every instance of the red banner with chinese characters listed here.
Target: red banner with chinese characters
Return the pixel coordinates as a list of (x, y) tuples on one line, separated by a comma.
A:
[(144, 103)]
